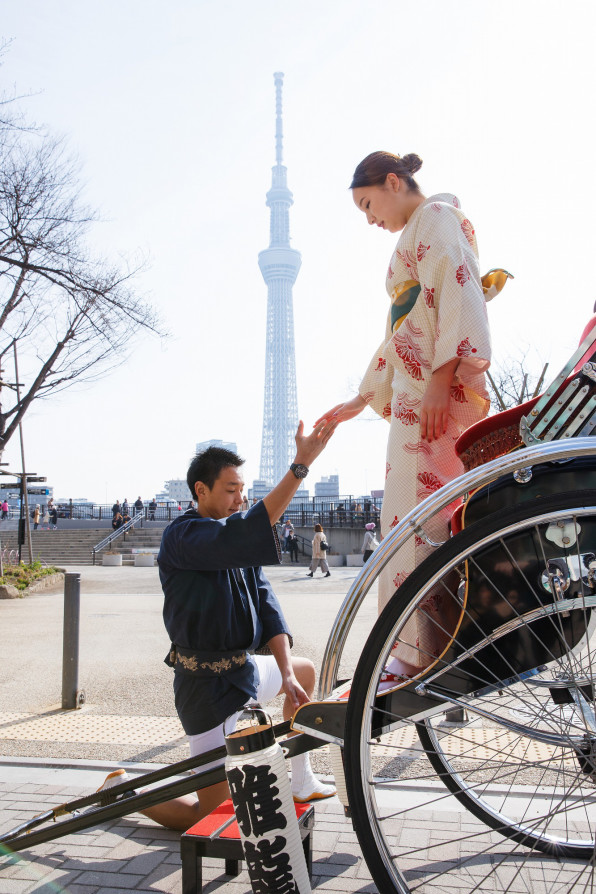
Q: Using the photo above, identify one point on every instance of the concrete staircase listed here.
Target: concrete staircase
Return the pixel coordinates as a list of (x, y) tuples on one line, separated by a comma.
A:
[(75, 547)]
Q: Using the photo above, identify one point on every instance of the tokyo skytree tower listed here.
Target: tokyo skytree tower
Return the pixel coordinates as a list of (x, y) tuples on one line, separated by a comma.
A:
[(279, 265)]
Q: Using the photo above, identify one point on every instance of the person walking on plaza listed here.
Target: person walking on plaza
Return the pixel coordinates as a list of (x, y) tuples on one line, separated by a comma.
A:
[(116, 508), (220, 610), (54, 517), (293, 545), (370, 542), (45, 519), (319, 555), (125, 507), (36, 517), (152, 508), (4, 510), (139, 505)]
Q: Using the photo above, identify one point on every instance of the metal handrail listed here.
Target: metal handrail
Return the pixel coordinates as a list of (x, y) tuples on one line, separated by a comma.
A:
[(119, 532), (552, 451)]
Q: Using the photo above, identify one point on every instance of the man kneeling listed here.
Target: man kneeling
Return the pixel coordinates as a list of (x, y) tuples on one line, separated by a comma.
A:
[(219, 609)]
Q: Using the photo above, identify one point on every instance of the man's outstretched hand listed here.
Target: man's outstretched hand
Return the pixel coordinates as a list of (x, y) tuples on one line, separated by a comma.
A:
[(308, 447)]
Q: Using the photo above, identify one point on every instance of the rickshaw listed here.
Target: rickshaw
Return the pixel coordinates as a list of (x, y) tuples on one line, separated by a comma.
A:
[(479, 771)]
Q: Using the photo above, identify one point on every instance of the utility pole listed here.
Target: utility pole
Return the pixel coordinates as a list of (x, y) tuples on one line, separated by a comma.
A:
[(24, 489)]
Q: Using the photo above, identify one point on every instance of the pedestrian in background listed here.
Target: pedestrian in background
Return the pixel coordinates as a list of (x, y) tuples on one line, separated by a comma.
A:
[(287, 529), (319, 555), (152, 508), (293, 546), (36, 517), (45, 521), (139, 505), (4, 510), (370, 542), (54, 517)]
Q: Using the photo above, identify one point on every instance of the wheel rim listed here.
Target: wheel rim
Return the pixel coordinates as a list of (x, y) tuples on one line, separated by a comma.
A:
[(528, 770)]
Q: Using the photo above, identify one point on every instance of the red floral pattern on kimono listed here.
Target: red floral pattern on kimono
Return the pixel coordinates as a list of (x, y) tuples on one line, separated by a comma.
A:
[(437, 248)]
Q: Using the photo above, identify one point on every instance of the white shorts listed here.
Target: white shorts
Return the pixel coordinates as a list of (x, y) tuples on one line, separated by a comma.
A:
[(269, 685)]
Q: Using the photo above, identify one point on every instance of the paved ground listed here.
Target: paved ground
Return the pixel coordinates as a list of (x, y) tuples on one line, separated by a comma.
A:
[(50, 755)]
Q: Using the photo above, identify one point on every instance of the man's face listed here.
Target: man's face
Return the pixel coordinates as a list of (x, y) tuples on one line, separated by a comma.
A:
[(225, 497)]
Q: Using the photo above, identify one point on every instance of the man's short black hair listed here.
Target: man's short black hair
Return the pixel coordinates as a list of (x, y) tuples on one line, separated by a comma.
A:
[(207, 466)]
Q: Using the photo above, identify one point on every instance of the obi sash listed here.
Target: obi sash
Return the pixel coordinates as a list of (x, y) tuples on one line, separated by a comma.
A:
[(404, 299)]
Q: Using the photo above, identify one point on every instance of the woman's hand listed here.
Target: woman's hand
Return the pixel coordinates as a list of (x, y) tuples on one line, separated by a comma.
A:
[(345, 411), (434, 411)]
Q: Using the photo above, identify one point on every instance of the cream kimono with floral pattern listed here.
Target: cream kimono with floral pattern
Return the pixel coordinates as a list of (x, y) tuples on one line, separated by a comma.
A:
[(437, 313)]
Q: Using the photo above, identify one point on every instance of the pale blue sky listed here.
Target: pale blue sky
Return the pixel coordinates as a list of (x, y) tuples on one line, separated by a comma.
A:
[(171, 111)]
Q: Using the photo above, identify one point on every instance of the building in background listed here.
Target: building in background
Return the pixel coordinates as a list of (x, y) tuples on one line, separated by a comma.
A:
[(328, 486), (279, 265)]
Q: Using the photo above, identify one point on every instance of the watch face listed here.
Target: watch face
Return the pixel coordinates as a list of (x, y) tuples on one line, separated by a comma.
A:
[(299, 470)]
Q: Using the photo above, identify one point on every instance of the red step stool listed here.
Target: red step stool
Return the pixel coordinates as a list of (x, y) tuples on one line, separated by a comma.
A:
[(217, 835)]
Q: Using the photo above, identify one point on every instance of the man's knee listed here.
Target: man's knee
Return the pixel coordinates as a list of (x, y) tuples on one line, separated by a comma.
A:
[(304, 670)]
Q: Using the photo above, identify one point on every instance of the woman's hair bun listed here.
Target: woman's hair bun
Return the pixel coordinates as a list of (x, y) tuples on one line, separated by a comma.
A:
[(412, 162)]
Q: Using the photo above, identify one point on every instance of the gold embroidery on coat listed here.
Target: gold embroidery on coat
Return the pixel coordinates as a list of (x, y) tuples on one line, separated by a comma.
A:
[(217, 667), (189, 663), (224, 664)]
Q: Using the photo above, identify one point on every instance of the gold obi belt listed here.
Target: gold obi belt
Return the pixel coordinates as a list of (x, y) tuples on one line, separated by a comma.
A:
[(204, 664), (406, 293)]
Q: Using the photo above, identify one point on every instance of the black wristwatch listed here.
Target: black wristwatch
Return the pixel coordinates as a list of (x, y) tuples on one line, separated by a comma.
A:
[(299, 470)]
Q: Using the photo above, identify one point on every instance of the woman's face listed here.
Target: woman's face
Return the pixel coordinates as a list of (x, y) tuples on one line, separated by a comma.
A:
[(386, 205)]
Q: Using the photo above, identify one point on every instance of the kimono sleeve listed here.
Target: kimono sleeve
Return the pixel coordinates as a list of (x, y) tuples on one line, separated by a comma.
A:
[(375, 386), (450, 282)]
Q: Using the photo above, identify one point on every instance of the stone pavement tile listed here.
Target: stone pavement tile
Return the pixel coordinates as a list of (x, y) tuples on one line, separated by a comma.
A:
[(326, 868), (24, 871), (126, 849), (107, 879), (347, 838), (338, 856), (56, 880), (108, 838), (112, 890), (345, 885), (79, 889), (166, 879), (145, 863), (72, 863), (81, 852), (324, 841), (15, 886)]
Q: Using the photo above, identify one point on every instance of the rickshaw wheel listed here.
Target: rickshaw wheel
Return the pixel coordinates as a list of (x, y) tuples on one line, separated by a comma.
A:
[(520, 669)]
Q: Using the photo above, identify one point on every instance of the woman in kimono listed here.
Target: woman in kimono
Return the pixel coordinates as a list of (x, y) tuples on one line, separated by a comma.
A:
[(426, 378)]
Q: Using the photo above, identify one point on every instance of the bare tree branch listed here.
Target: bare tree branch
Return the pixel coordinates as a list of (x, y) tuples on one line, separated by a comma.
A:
[(73, 315)]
